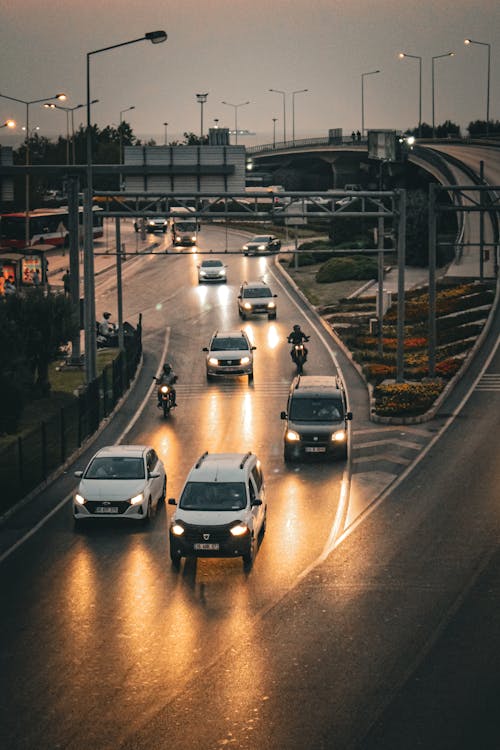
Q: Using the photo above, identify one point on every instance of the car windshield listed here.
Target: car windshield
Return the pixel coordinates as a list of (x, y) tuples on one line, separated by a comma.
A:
[(229, 343), (211, 264), (257, 292), (213, 496), (116, 467), (186, 226), (264, 238), (315, 410)]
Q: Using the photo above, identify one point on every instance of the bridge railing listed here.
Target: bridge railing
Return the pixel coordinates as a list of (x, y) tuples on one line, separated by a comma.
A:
[(305, 142)]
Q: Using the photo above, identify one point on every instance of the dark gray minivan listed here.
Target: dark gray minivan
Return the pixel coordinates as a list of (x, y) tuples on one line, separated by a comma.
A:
[(317, 419)]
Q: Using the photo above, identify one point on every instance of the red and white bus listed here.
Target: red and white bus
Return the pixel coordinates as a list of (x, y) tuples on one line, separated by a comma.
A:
[(46, 225)]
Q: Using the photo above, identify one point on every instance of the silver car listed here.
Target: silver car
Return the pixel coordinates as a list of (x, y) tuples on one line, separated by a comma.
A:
[(229, 353)]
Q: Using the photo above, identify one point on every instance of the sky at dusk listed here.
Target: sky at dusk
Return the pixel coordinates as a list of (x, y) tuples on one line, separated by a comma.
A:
[(236, 50)]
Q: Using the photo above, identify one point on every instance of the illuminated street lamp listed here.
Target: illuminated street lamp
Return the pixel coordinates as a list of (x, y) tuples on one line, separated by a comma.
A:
[(235, 106), (283, 94), (60, 97), (302, 91), (468, 42), (155, 37), (369, 73), (165, 125), (417, 57), (274, 131), (436, 57), (201, 98), (8, 124)]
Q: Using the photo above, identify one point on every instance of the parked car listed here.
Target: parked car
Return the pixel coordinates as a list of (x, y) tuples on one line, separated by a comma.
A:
[(264, 244), (256, 298), (229, 353), (212, 270), (222, 509), (120, 481)]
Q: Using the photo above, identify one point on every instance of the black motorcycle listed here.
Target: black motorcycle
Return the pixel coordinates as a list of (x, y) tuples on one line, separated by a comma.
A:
[(299, 356), (166, 397)]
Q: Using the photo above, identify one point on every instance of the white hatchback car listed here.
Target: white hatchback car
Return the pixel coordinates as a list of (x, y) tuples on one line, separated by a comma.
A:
[(212, 270), (229, 353), (120, 481)]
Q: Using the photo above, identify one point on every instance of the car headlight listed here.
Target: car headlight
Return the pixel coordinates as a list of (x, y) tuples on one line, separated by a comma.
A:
[(247, 306), (80, 499), (213, 361), (202, 273), (262, 247), (245, 247), (137, 499), (339, 436), (239, 529), (244, 360), (151, 223), (292, 436), (193, 239), (177, 529), (222, 271), (271, 305)]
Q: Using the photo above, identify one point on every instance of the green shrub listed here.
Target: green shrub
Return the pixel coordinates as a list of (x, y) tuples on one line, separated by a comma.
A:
[(345, 268)]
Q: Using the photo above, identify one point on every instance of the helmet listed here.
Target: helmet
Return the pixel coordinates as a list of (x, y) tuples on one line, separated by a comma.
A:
[(167, 369), (296, 327), (106, 315)]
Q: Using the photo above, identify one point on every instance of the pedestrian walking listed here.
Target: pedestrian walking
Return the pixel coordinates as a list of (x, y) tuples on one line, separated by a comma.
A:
[(353, 137), (9, 287), (358, 136), (36, 277), (66, 279)]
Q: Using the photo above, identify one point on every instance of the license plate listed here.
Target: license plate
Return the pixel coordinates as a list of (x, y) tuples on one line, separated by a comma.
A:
[(109, 509), (206, 546), (315, 450)]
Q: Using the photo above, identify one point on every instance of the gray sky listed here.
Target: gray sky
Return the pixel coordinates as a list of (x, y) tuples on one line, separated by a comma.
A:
[(238, 49)]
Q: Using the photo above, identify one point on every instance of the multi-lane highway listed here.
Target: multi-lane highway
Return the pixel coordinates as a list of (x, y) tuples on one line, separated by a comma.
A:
[(105, 645)]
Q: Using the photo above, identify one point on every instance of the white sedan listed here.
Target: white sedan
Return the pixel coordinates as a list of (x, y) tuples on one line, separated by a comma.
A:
[(120, 481)]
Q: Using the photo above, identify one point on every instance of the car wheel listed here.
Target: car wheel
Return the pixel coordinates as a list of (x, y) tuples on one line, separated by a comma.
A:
[(176, 560), (271, 317), (264, 525), (288, 456), (77, 524), (163, 491), (246, 255), (209, 377), (250, 377), (248, 558), (149, 513), (243, 316)]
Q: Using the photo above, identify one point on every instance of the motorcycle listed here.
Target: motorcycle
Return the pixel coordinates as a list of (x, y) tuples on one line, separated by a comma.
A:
[(299, 356), (166, 397)]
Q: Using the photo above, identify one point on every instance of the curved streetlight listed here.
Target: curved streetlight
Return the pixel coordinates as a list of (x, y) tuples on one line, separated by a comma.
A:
[(69, 111), (283, 94), (8, 124), (235, 106), (155, 37), (436, 57), (301, 91), (363, 75), (468, 42), (120, 134), (402, 55), (60, 97)]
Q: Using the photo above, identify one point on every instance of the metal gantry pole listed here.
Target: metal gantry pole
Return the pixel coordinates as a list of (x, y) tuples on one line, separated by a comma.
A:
[(432, 279), (401, 285), (73, 186)]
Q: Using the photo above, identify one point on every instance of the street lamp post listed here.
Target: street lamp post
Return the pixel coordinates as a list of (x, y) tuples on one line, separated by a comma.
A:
[(436, 57), (363, 75), (201, 98), (274, 131), (60, 97), (69, 111), (467, 42), (8, 124), (302, 91), (122, 112), (235, 106), (283, 94), (417, 57), (155, 37), (165, 125)]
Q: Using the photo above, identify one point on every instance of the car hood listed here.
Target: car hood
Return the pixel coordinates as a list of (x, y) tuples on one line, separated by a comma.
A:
[(110, 489), (230, 354), (209, 517), (257, 300)]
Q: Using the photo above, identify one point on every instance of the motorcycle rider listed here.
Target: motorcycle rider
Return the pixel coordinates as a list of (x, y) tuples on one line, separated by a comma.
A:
[(167, 377), (106, 327), (297, 336)]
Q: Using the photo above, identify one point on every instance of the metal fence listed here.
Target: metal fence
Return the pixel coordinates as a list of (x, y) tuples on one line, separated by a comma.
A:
[(29, 460)]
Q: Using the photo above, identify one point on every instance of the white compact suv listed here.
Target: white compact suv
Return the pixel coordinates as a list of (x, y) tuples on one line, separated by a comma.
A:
[(222, 509), (229, 353), (256, 298)]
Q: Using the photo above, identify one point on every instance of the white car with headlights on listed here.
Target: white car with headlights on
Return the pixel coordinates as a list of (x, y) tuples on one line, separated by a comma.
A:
[(212, 270), (229, 353), (120, 481), (256, 298), (222, 509), (264, 244)]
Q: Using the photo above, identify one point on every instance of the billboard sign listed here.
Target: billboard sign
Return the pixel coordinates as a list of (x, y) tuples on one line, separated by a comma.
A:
[(382, 145)]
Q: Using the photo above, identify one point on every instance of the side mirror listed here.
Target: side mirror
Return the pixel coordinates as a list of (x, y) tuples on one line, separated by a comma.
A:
[(283, 415), (256, 502), (171, 501), (254, 348), (239, 296), (275, 295), (154, 475), (348, 415), (78, 474), (205, 349)]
